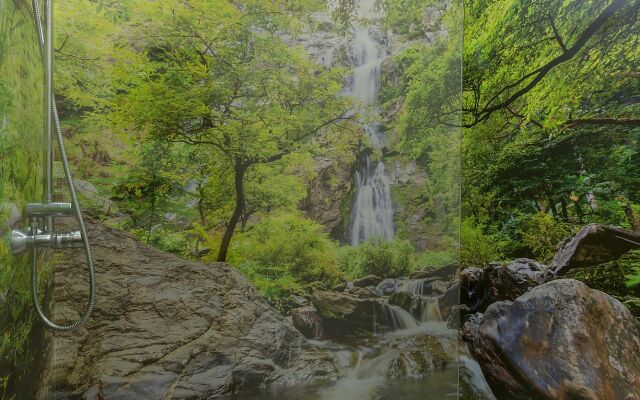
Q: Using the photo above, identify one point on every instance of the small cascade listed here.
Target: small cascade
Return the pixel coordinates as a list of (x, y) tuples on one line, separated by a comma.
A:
[(429, 310), (395, 318), (413, 286)]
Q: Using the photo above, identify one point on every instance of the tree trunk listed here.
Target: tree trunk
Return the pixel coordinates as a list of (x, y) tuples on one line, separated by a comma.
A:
[(552, 206), (632, 217), (579, 214), (201, 211), (565, 213), (239, 169)]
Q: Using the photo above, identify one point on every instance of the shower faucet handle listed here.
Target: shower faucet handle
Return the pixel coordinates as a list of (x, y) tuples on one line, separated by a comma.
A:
[(21, 241), (53, 209)]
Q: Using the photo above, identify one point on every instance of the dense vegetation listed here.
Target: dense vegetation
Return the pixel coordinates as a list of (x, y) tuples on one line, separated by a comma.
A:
[(21, 141), (201, 126), (552, 138)]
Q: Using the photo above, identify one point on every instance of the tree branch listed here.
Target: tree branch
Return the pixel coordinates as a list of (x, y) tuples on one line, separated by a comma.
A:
[(572, 123), (540, 73)]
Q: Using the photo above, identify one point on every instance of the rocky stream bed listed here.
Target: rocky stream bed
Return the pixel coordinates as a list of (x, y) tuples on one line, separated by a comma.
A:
[(165, 327)]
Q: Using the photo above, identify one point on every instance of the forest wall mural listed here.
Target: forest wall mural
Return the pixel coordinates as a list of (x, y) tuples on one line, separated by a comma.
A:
[(350, 199)]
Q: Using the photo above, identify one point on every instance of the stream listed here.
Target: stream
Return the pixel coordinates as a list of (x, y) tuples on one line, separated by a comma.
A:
[(415, 357), (411, 355)]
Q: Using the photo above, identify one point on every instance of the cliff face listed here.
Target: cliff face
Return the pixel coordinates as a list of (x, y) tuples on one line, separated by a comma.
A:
[(165, 327)]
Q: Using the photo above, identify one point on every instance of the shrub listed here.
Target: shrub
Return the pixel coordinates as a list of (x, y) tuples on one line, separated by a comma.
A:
[(436, 258), (541, 233), (477, 248), (386, 259), (286, 244)]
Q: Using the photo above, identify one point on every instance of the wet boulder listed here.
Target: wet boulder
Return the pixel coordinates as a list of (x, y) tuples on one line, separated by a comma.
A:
[(483, 287), (450, 300), (416, 356), (436, 288), (403, 300), (370, 280), (361, 292), (387, 287), (594, 244), (445, 273), (561, 340), (307, 320), (344, 315)]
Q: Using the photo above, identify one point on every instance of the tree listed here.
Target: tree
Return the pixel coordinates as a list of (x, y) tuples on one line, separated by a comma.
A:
[(234, 88)]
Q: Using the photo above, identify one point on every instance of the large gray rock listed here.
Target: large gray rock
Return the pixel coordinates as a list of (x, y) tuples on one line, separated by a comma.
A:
[(560, 340), (480, 288), (369, 280), (594, 244), (346, 316), (165, 327)]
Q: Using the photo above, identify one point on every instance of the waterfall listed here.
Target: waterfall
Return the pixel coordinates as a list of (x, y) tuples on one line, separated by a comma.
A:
[(429, 309), (413, 286), (396, 318), (372, 211)]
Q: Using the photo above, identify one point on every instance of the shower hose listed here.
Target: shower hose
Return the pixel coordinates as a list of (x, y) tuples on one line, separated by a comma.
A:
[(75, 205)]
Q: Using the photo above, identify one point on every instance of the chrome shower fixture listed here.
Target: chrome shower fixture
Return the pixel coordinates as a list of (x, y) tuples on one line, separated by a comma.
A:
[(36, 237), (41, 216)]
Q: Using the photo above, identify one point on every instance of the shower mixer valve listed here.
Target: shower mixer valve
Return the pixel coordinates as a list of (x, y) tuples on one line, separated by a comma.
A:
[(37, 213)]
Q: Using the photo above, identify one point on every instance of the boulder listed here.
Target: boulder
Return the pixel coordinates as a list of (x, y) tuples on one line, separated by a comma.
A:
[(415, 356), (307, 320), (450, 300), (594, 244), (361, 292), (344, 315), (436, 288), (483, 287), (370, 280), (561, 340), (166, 327), (445, 273), (402, 299), (387, 287)]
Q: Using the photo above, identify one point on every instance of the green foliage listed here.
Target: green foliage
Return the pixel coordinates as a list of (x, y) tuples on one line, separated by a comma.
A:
[(435, 259), (385, 259), (545, 153), (21, 174), (405, 16), (541, 233), (286, 244), (479, 248), (631, 265), (634, 278)]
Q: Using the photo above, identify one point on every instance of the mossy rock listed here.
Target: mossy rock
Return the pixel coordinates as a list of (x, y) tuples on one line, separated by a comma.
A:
[(402, 300)]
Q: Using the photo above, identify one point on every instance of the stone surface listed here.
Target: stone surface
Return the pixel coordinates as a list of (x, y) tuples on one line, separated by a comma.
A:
[(594, 244), (436, 288), (483, 287), (387, 287), (165, 327), (344, 315), (561, 340), (446, 273), (370, 280), (307, 320), (450, 300), (402, 299)]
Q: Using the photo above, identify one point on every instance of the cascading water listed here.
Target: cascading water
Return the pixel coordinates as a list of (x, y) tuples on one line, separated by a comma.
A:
[(372, 211)]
